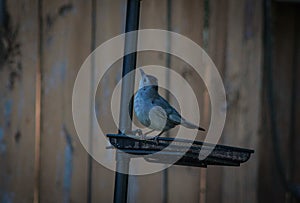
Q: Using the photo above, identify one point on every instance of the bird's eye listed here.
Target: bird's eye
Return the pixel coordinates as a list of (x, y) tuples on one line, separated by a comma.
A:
[(144, 79)]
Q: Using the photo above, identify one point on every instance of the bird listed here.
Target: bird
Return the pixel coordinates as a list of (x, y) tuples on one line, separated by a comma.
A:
[(153, 111)]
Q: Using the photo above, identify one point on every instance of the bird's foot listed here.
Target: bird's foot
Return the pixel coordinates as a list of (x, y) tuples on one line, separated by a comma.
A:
[(136, 134), (143, 136), (157, 136), (155, 139), (133, 132)]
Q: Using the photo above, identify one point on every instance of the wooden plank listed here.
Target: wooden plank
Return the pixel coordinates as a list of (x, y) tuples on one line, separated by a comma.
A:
[(110, 22), (295, 139), (66, 44), (217, 34), (242, 82), (17, 99), (188, 20), (284, 74)]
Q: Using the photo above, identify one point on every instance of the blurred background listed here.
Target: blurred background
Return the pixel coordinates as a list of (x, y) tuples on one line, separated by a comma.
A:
[(255, 45)]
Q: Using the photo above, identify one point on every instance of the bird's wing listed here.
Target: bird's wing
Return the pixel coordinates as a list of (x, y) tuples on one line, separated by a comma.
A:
[(158, 112), (158, 118), (173, 115)]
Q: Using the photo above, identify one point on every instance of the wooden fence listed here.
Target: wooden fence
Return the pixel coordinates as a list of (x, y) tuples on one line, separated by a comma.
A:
[(41, 157)]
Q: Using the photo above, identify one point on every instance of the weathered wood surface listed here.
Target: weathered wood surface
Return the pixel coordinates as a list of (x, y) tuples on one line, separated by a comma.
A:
[(242, 77), (109, 22), (66, 36), (19, 33), (186, 19), (286, 94), (233, 39), (217, 34)]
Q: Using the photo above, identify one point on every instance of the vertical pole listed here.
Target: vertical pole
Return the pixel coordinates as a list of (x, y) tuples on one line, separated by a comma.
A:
[(92, 83), (129, 63)]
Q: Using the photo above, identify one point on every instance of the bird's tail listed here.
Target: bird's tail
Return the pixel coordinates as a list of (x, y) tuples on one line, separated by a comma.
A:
[(190, 125)]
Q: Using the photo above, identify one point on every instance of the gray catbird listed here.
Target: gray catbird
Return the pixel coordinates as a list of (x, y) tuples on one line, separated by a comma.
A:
[(153, 111)]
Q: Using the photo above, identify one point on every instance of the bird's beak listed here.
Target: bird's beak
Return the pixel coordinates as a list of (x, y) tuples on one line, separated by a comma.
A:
[(142, 72)]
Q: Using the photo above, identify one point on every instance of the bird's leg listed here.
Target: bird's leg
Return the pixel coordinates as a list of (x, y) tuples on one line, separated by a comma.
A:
[(143, 136), (149, 132), (136, 132), (157, 136)]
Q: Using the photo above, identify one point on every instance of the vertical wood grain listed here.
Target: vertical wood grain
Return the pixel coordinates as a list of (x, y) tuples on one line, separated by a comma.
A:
[(295, 166), (66, 44), (17, 100), (234, 44), (242, 79), (285, 85), (110, 22), (188, 20), (217, 35)]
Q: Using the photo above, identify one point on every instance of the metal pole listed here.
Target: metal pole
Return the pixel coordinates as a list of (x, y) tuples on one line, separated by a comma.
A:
[(129, 63)]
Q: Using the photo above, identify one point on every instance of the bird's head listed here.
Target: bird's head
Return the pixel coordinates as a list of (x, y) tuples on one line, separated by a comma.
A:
[(147, 80)]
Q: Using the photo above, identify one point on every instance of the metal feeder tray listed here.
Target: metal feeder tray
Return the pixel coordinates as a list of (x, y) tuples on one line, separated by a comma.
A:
[(220, 155)]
